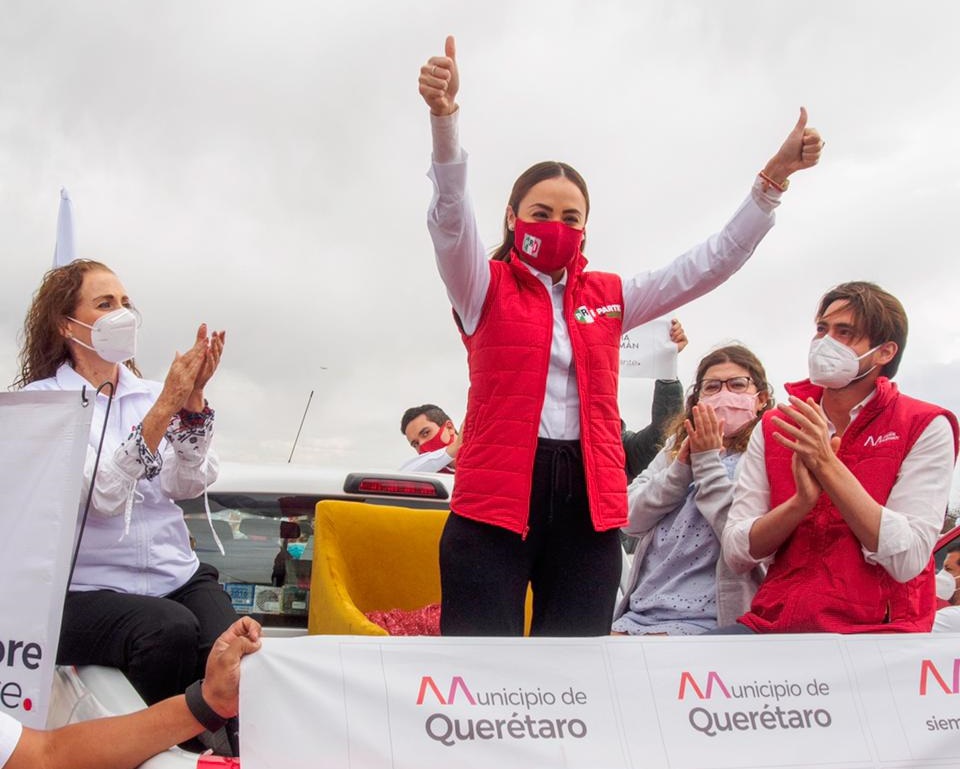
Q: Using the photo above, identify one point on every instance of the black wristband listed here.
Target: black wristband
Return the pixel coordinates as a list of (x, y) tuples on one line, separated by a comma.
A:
[(200, 710)]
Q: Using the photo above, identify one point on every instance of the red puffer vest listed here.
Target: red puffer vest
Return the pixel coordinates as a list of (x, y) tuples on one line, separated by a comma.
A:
[(508, 356), (819, 581)]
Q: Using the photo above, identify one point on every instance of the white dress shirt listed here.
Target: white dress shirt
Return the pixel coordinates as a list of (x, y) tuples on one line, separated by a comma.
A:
[(909, 522), (947, 620), (135, 539), (462, 262)]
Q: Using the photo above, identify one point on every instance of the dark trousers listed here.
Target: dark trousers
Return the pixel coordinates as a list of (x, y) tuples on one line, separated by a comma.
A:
[(573, 569), (160, 644)]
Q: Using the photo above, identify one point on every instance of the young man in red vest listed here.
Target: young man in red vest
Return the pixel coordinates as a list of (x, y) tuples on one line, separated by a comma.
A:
[(843, 491)]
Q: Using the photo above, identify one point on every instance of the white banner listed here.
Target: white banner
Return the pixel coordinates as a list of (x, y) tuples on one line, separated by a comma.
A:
[(647, 352), (788, 701), (42, 448)]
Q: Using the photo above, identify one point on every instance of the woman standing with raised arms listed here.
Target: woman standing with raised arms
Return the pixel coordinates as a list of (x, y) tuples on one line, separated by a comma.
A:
[(540, 489)]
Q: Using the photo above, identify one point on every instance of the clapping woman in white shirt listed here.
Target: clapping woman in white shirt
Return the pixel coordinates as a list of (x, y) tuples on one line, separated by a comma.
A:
[(139, 599)]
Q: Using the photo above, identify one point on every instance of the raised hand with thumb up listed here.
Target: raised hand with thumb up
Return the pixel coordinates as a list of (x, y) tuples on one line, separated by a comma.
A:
[(801, 149), (439, 80)]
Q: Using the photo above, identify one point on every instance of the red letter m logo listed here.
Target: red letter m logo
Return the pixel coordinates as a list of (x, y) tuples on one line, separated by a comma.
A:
[(927, 668), (712, 678), (455, 683)]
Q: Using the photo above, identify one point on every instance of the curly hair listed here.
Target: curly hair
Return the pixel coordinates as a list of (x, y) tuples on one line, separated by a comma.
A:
[(740, 356), (44, 348)]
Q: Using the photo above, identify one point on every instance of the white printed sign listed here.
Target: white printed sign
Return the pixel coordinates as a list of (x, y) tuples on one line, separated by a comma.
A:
[(785, 701), (647, 352), (736, 707), (42, 448), (914, 711)]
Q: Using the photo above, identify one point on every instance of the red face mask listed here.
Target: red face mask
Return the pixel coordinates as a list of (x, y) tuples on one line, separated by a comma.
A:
[(436, 442), (547, 246)]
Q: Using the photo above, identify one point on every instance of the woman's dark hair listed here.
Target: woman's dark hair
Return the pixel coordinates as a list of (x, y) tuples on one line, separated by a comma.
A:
[(740, 356), (548, 169), (44, 346)]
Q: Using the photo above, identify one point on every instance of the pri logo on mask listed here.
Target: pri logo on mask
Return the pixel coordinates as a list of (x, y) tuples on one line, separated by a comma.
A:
[(531, 245)]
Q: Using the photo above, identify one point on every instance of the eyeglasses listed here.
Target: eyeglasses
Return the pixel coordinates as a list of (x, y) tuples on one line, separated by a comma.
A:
[(736, 384)]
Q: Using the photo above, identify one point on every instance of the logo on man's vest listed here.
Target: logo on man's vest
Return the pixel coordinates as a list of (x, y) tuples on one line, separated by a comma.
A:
[(531, 245), (586, 315), (876, 440)]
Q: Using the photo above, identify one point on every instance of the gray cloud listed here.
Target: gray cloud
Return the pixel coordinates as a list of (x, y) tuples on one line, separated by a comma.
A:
[(262, 169)]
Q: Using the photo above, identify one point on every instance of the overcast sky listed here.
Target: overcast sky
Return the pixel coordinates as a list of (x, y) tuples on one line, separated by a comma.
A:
[(261, 167)]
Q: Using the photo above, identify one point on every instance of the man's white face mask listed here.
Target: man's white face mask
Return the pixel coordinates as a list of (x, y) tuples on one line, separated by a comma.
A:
[(833, 364), (946, 585)]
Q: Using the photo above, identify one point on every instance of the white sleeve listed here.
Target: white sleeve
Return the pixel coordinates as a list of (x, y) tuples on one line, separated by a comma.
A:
[(189, 464), (431, 462), (657, 491), (947, 620), (461, 259), (913, 515), (117, 475), (701, 269), (10, 731), (751, 499)]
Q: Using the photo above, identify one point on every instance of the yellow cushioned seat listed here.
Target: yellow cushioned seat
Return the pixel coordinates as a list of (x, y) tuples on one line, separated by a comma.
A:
[(373, 558)]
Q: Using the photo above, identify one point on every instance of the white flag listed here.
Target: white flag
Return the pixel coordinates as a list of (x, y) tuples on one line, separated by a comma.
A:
[(66, 248)]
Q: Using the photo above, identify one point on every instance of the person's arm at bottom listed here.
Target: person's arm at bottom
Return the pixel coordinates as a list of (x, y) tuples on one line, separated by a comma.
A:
[(773, 529), (107, 743), (126, 741), (431, 462)]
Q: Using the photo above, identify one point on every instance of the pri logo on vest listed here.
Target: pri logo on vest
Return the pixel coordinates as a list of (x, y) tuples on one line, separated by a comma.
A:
[(531, 245), (586, 315), (876, 440)]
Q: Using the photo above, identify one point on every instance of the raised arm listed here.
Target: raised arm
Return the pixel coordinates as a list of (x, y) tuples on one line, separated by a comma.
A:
[(705, 266), (461, 259), (657, 491), (182, 464), (189, 465)]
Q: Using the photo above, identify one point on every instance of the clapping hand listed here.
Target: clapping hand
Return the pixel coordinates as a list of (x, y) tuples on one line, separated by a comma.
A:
[(211, 360), (190, 372), (705, 430)]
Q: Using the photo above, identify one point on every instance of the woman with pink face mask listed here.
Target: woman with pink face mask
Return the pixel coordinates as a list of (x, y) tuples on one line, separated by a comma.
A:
[(541, 489), (679, 584)]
